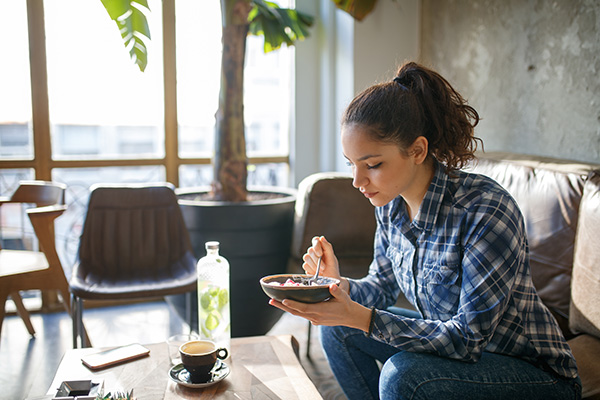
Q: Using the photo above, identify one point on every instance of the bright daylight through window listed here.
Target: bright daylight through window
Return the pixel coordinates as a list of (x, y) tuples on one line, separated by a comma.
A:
[(105, 121)]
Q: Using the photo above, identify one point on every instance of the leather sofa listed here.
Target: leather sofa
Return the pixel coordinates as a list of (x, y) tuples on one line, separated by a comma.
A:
[(560, 201)]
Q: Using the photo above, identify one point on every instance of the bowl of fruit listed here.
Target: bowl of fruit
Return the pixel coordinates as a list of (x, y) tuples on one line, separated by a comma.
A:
[(297, 287)]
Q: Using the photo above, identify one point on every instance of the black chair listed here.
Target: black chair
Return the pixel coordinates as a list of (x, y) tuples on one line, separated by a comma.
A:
[(134, 245)]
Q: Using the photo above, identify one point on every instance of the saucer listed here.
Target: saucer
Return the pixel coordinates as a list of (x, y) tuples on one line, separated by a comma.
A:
[(180, 375)]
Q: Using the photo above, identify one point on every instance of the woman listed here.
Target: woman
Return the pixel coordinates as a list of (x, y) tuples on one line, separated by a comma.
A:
[(454, 243)]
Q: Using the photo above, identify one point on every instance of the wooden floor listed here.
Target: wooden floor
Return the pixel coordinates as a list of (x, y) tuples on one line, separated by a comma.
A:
[(27, 364)]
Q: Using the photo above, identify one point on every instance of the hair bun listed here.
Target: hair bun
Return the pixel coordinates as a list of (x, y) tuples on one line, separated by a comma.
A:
[(400, 82)]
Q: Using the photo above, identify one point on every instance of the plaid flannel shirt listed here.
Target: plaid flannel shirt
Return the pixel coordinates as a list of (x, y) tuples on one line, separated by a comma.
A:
[(463, 262)]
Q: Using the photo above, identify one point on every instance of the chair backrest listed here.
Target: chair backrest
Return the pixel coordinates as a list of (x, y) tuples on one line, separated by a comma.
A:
[(133, 230), (328, 205), (41, 193)]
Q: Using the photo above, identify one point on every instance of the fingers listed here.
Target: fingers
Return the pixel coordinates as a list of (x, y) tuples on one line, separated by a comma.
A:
[(290, 306), (320, 248), (316, 249), (330, 312), (309, 312), (312, 255)]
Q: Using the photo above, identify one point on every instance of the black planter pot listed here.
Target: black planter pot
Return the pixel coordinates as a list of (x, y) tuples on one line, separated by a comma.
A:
[(255, 237)]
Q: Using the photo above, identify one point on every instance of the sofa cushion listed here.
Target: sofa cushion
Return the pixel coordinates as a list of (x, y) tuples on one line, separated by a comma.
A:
[(585, 296), (548, 192), (586, 350)]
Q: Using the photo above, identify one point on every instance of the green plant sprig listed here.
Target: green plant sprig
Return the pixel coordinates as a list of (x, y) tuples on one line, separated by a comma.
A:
[(116, 396)]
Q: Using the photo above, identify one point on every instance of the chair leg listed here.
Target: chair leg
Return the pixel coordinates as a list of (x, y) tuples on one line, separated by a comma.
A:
[(67, 302), (74, 320), (3, 297), (22, 311), (79, 332), (308, 340)]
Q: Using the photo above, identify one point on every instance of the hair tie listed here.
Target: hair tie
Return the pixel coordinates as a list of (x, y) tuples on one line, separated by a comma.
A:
[(398, 81)]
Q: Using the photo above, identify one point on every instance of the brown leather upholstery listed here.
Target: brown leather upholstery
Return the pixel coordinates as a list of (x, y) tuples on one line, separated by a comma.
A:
[(585, 290), (548, 192), (134, 245), (328, 205), (560, 201)]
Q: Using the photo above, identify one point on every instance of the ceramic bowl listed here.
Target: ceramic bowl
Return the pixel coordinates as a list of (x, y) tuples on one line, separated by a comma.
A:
[(271, 285)]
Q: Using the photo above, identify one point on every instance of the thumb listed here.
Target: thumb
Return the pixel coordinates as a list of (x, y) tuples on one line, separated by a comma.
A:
[(327, 248), (325, 243), (337, 292)]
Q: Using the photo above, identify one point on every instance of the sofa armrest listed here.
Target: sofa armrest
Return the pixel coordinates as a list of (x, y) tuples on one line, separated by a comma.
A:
[(585, 283)]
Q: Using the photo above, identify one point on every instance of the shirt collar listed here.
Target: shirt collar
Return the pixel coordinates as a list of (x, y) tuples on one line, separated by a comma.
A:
[(432, 202)]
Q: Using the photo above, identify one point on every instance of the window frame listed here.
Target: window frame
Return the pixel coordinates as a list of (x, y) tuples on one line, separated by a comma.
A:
[(43, 163)]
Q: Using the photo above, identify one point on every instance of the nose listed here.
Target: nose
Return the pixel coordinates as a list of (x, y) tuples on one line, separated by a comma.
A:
[(358, 179)]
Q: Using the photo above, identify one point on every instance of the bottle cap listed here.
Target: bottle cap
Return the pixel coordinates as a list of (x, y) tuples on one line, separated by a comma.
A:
[(212, 245)]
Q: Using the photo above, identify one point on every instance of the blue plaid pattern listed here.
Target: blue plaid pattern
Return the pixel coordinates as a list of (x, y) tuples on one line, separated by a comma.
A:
[(464, 264)]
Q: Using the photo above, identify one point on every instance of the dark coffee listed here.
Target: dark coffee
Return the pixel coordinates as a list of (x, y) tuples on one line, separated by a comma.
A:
[(199, 358)]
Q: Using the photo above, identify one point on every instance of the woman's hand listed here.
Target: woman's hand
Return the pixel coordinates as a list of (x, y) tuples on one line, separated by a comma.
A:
[(340, 309), (329, 262)]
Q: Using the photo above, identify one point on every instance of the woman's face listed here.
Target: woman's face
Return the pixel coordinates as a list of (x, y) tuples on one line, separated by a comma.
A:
[(381, 170)]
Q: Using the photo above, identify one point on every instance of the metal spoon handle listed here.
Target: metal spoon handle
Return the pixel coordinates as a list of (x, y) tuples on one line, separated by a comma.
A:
[(314, 278)]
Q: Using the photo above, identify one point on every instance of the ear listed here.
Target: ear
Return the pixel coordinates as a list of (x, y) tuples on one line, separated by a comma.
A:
[(418, 149)]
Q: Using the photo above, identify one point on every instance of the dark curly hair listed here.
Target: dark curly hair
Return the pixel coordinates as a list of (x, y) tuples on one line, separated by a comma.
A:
[(418, 102)]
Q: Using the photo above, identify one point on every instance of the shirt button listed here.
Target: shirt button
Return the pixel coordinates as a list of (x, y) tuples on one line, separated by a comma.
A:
[(381, 336)]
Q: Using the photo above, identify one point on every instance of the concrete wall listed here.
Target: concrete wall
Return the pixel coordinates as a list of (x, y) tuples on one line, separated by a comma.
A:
[(341, 58), (529, 67)]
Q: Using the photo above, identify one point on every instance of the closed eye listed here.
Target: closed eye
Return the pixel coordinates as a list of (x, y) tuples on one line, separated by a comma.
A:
[(374, 166)]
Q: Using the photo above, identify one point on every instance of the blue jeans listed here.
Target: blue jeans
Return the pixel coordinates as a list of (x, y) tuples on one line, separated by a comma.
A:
[(406, 375)]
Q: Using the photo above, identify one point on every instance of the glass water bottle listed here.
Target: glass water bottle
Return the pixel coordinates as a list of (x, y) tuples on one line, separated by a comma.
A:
[(214, 320)]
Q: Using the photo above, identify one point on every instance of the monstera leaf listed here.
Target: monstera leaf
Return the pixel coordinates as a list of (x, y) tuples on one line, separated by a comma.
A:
[(277, 25), (133, 26)]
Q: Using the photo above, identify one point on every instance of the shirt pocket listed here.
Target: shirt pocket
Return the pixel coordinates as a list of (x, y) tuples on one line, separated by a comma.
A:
[(395, 256), (441, 284), (402, 273)]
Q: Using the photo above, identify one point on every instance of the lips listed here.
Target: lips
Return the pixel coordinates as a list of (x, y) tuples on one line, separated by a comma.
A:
[(369, 195)]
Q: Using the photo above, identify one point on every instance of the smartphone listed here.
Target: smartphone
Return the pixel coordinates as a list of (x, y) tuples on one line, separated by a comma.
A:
[(117, 355)]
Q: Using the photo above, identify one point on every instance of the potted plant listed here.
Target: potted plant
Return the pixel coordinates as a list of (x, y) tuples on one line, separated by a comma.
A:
[(255, 232)]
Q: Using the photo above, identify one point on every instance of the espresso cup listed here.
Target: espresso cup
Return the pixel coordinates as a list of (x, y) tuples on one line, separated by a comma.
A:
[(199, 358)]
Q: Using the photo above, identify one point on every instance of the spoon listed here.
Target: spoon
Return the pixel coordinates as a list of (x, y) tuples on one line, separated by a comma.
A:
[(314, 278)]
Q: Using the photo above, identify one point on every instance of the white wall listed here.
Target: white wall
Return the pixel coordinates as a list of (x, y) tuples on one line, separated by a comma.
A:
[(341, 58)]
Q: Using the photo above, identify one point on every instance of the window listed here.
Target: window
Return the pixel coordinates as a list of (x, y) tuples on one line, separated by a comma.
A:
[(267, 96), (91, 131), (92, 85), (15, 88)]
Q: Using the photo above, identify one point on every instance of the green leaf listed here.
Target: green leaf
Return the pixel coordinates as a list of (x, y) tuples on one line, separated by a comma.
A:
[(129, 15), (358, 9), (278, 25)]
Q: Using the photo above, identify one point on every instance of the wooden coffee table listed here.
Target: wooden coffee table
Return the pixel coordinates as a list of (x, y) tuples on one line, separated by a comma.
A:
[(263, 367)]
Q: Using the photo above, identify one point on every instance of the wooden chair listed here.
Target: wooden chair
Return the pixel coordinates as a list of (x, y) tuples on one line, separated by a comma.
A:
[(29, 270), (134, 245)]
